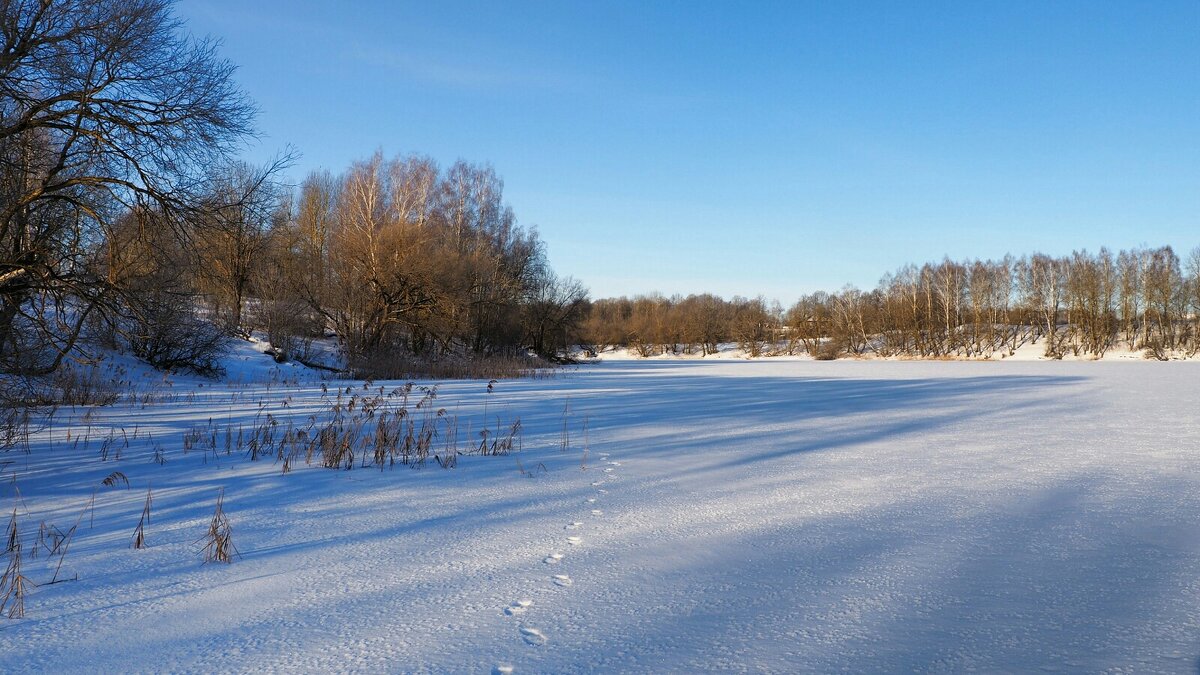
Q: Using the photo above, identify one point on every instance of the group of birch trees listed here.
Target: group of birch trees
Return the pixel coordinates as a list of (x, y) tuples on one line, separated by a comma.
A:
[(399, 257)]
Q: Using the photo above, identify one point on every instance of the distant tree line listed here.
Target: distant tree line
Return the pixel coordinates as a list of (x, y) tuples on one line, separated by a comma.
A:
[(696, 324), (1083, 304)]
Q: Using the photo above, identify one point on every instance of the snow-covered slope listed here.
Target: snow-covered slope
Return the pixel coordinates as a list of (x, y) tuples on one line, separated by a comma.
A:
[(733, 516)]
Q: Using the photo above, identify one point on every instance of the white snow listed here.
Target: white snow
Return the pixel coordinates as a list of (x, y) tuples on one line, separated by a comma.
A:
[(767, 515)]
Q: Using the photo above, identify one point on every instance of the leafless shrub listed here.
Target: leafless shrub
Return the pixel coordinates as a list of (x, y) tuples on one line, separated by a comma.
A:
[(827, 351), (166, 331), (1156, 349)]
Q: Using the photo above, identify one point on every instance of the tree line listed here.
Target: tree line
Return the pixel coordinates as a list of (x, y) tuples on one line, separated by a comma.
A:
[(127, 219), (1084, 304)]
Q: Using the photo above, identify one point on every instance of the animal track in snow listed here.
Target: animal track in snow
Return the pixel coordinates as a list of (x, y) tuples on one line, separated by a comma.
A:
[(614, 464), (574, 525), (603, 492), (553, 558), (608, 469), (591, 500), (518, 607), (502, 670), (597, 512), (574, 541), (562, 580), (533, 636), (597, 483)]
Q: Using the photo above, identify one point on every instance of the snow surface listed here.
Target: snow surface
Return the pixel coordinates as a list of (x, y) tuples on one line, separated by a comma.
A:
[(763, 515)]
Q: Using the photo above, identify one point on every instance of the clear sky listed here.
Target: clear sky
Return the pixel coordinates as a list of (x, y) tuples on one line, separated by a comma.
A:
[(754, 147)]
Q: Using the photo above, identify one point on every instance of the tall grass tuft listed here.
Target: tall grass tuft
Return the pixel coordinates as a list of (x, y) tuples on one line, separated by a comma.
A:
[(405, 367), (14, 427), (13, 584), (218, 540)]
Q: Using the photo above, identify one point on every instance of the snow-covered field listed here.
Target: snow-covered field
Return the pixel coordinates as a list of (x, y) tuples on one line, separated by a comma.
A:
[(733, 516)]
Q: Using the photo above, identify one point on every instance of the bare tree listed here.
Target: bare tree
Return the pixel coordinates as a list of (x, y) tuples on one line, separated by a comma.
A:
[(553, 313), (1129, 294), (1191, 292), (233, 243), (752, 325), (1042, 293), (1162, 283), (105, 106)]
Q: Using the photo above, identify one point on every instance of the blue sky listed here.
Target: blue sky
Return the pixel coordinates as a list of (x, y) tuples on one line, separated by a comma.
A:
[(755, 148)]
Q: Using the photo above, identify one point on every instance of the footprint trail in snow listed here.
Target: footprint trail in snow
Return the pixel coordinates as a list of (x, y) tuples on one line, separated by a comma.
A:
[(535, 636)]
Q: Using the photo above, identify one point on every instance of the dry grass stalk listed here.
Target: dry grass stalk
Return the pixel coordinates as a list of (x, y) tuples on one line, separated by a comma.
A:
[(50, 538), (69, 536), (501, 445), (540, 468), (448, 458), (583, 459), (91, 509), (564, 438), (114, 479), (139, 534)]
